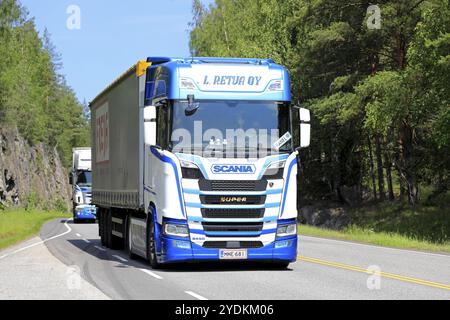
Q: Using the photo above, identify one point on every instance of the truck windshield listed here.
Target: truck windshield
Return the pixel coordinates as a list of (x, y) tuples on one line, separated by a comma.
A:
[(84, 179), (231, 126)]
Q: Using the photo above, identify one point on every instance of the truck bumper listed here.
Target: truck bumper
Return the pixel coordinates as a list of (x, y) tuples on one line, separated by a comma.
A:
[(178, 250), (85, 213)]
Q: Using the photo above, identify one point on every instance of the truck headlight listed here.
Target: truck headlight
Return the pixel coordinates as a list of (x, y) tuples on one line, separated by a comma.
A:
[(188, 164), (179, 230), (190, 170), (275, 170), (286, 230)]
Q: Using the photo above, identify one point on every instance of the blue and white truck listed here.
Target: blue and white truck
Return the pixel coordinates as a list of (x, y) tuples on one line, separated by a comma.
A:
[(81, 181), (196, 160)]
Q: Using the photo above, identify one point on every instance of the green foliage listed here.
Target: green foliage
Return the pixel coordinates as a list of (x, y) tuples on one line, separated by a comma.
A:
[(17, 225), (32, 201), (423, 222), (387, 239), (60, 206), (380, 98), (33, 96)]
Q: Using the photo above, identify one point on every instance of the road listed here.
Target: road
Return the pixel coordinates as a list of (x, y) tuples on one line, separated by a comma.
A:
[(326, 269)]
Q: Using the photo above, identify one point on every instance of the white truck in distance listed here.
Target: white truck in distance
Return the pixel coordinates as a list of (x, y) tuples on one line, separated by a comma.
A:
[(81, 181)]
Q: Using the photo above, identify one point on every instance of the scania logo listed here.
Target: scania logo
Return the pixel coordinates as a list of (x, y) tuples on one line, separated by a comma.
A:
[(233, 199), (231, 168)]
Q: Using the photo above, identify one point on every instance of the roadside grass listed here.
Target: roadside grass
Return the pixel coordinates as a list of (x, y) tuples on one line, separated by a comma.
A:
[(18, 225), (425, 226), (384, 239)]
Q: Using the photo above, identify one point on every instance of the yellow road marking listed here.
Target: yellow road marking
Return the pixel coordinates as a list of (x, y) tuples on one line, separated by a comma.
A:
[(382, 274)]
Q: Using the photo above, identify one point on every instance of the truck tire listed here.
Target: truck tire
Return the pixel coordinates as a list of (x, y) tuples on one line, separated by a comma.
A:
[(101, 226), (131, 255), (107, 227), (74, 212), (151, 245)]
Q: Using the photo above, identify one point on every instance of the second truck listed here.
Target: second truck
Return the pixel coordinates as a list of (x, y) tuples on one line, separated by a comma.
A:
[(81, 181), (172, 184)]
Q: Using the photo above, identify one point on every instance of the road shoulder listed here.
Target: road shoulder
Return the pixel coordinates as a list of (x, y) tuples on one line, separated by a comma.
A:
[(35, 273)]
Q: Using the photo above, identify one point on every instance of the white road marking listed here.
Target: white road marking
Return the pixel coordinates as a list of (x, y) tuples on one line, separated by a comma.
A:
[(69, 229), (120, 258), (78, 235), (195, 295), (375, 246), (154, 275), (86, 240), (99, 248)]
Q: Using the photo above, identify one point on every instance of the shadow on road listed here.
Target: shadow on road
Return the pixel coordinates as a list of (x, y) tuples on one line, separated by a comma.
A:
[(81, 221), (222, 266)]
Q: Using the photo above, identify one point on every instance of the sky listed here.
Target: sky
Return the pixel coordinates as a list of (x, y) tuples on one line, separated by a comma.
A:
[(109, 36)]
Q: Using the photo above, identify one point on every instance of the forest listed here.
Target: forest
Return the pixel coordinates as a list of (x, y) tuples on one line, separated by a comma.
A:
[(34, 96), (379, 95)]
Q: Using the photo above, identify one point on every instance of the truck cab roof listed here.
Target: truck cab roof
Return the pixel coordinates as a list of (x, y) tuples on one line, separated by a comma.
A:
[(218, 78)]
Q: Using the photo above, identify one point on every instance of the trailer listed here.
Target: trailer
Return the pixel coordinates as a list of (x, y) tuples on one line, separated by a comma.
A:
[(196, 160)]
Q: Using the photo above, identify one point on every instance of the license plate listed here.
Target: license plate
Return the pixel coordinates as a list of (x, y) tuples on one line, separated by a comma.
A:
[(233, 254)]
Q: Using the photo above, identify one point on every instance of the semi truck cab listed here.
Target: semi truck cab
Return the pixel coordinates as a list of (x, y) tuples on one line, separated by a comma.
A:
[(81, 181), (217, 148)]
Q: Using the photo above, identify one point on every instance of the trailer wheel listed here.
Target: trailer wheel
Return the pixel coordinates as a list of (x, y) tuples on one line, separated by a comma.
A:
[(107, 227), (101, 226), (151, 244)]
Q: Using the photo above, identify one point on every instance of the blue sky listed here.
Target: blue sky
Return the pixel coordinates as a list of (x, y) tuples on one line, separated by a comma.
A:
[(113, 36)]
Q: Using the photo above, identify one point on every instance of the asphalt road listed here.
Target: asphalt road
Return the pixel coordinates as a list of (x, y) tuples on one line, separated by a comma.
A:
[(326, 269)]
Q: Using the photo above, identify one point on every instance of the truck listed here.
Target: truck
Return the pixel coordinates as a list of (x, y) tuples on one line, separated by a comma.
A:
[(195, 159), (81, 180)]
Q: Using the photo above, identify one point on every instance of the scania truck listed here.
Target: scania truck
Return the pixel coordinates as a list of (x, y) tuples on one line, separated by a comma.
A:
[(195, 159), (81, 181)]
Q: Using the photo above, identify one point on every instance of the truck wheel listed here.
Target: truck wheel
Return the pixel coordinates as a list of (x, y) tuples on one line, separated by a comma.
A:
[(151, 244), (107, 228), (101, 226), (131, 255)]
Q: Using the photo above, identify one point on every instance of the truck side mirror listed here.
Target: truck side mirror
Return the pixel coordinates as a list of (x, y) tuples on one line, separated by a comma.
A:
[(71, 178), (150, 125), (305, 128)]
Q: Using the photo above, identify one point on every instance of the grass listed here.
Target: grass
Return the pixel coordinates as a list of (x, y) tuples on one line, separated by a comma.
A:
[(425, 226), (384, 239), (18, 225)]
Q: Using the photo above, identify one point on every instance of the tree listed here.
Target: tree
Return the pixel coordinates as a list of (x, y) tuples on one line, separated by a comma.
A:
[(380, 98), (34, 96)]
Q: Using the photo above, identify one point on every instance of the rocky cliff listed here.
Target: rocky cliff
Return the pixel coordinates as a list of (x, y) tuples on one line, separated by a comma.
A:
[(31, 175)]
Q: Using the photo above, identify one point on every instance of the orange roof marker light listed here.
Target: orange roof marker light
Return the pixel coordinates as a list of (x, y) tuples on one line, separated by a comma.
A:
[(141, 67)]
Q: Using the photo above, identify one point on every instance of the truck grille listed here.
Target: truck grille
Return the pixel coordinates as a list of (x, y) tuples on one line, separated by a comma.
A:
[(218, 229), (233, 244), (233, 213), (233, 200), (232, 185)]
